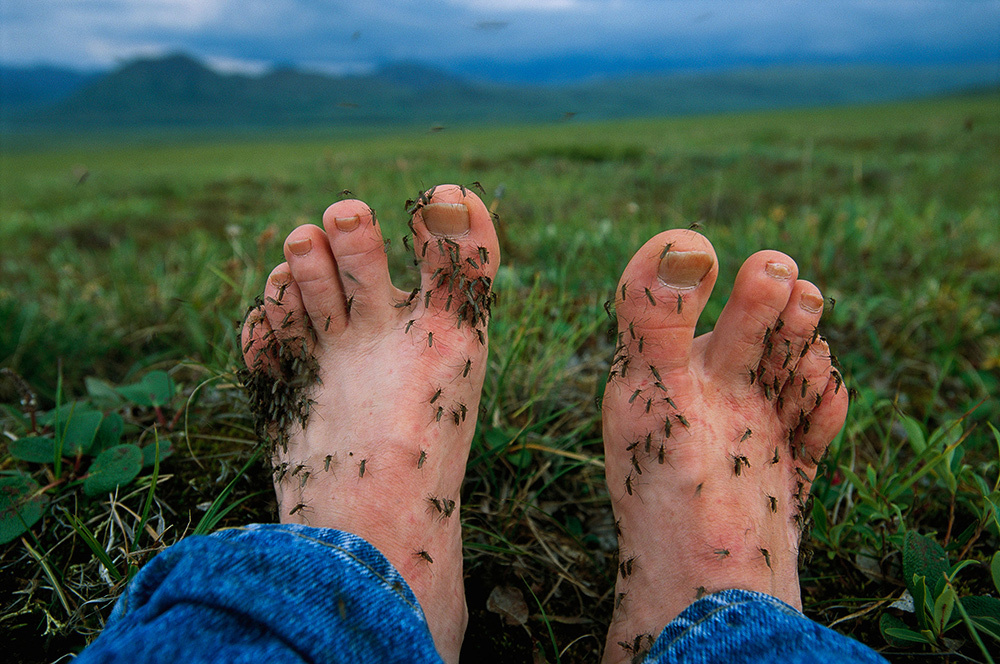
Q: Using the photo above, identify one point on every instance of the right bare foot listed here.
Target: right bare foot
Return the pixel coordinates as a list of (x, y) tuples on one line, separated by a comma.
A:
[(389, 423), (711, 444)]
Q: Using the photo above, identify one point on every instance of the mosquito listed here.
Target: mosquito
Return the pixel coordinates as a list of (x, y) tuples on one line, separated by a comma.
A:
[(680, 302), (652, 300), (739, 461), (361, 467), (626, 566), (746, 434), (721, 553), (767, 556), (421, 459), (423, 554), (327, 461), (297, 508), (773, 503), (628, 483), (682, 420), (666, 249)]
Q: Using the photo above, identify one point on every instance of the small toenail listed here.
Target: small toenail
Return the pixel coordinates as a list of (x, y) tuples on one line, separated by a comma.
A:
[(446, 219), (811, 302), (280, 279), (301, 247), (778, 270), (684, 269), (347, 224)]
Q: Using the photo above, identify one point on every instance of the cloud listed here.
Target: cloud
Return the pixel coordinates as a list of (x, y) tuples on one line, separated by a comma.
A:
[(343, 35)]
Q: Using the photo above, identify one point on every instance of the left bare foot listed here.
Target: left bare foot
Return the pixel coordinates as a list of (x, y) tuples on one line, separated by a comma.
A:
[(391, 418)]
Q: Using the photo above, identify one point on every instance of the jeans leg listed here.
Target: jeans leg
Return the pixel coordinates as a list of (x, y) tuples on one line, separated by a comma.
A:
[(740, 626), (266, 593)]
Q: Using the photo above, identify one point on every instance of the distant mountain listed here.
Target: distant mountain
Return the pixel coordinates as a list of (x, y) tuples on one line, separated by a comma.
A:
[(180, 91), (25, 87)]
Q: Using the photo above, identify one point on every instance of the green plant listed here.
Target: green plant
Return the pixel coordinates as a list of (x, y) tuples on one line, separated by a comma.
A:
[(935, 603), (79, 444)]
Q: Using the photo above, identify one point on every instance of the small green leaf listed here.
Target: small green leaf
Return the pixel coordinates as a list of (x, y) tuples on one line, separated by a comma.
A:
[(923, 556), (896, 633), (520, 458), (78, 436), (113, 467), (149, 452), (943, 606), (872, 476), (34, 449), (20, 507), (102, 392), (495, 438), (155, 389), (917, 585), (914, 433), (64, 413), (109, 433)]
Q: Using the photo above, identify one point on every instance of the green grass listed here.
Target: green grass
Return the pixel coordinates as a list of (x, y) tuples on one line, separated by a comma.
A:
[(147, 262)]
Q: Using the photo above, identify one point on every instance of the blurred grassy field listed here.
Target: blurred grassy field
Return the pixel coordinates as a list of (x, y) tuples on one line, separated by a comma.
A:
[(123, 255)]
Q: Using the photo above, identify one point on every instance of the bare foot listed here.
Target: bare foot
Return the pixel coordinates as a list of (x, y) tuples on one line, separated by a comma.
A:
[(711, 443), (388, 424)]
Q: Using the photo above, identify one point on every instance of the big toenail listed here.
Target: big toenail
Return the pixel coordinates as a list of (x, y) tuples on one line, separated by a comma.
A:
[(778, 271), (811, 302), (301, 247), (280, 279), (446, 219), (684, 269), (347, 224)]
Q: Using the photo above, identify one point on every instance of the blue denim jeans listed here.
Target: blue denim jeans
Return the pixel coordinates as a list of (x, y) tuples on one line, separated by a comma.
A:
[(291, 593)]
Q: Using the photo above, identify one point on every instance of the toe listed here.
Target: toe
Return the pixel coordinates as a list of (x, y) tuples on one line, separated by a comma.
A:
[(256, 332), (317, 284), (661, 294), (794, 330), (743, 332), (283, 310), (458, 252), (362, 268), (822, 403)]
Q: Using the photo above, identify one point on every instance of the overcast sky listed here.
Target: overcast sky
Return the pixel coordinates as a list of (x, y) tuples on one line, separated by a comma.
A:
[(512, 39)]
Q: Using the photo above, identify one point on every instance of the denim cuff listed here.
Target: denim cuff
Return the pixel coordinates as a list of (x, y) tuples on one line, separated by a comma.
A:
[(743, 626)]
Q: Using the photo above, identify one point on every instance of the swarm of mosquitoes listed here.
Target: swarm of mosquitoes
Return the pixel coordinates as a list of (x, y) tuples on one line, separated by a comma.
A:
[(281, 372), (773, 374)]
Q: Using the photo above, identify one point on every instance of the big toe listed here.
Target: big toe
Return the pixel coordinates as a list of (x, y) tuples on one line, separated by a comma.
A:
[(457, 249), (662, 292)]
